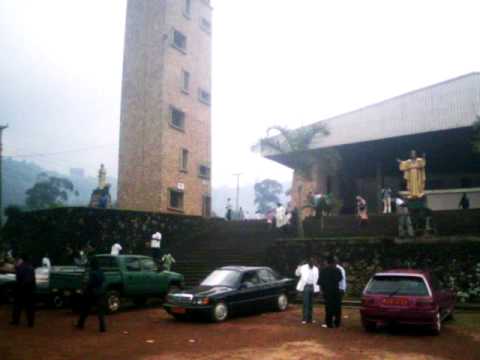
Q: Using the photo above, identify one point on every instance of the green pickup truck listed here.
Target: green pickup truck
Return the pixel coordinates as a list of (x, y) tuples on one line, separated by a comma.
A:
[(126, 276)]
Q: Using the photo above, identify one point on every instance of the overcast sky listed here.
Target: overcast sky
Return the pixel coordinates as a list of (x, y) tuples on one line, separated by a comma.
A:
[(275, 62)]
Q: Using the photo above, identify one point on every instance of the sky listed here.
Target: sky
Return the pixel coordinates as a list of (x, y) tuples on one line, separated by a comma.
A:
[(275, 62)]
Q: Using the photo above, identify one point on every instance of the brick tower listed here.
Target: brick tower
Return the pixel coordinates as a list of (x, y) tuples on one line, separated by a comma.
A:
[(165, 127)]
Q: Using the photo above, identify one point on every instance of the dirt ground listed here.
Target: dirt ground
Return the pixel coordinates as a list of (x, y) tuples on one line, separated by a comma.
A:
[(150, 334)]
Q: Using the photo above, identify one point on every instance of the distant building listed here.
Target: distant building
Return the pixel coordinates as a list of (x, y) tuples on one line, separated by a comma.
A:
[(435, 120), (77, 173), (165, 151)]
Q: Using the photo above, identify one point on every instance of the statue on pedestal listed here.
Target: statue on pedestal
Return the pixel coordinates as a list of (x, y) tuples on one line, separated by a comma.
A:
[(414, 173), (101, 195)]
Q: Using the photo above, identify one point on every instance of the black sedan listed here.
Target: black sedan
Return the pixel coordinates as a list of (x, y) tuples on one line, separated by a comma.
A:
[(232, 289)]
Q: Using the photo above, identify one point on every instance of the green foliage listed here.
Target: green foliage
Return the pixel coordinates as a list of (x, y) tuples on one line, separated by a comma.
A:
[(48, 192), (298, 141), (266, 194)]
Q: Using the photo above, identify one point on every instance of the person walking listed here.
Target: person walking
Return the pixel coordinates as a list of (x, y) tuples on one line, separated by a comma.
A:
[(93, 297), (330, 277), (362, 211), (404, 220), (24, 291), (464, 202), (386, 195), (308, 284), (228, 207)]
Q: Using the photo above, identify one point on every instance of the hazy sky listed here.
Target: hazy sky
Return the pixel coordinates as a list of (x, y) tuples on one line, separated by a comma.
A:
[(275, 62)]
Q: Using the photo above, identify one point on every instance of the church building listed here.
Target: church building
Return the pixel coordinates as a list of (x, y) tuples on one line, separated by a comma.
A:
[(165, 130), (435, 121)]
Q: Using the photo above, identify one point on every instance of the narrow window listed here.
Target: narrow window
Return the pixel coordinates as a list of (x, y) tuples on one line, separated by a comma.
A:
[(176, 199), (206, 205), (187, 11), (184, 160), (204, 171), (204, 96), (177, 118), (185, 81), (205, 25), (179, 41)]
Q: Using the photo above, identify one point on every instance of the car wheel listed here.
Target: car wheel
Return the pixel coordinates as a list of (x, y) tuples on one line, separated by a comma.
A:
[(437, 325), (282, 302), (58, 301), (220, 312), (113, 301), (369, 326)]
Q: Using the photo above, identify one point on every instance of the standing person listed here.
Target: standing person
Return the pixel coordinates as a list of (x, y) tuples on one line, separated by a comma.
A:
[(46, 263), (155, 245), (342, 285), (116, 248), (280, 216), (24, 292), (362, 211), (386, 195), (404, 219), (464, 202), (308, 284), (330, 277), (228, 207), (93, 296)]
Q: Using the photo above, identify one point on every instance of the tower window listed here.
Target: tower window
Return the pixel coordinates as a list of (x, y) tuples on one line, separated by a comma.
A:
[(205, 25), (179, 41), (176, 199), (177, 119), (204, 171), (206, 205), (185, 81), (187, 10), (204, 96), (184, 160)]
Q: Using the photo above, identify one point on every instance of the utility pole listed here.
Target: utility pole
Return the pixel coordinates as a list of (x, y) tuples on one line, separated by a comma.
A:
[(2, 127), (238, 192)]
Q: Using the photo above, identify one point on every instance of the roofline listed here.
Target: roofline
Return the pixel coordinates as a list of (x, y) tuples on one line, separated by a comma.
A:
[(474, 73)]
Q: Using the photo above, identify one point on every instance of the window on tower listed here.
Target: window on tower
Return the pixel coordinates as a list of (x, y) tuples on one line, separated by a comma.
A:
[(177, 118), (184, 160), (176, 199), (179, 41), (205, 25), (204, 96), (204, 171), (187, 10), (185, 81)]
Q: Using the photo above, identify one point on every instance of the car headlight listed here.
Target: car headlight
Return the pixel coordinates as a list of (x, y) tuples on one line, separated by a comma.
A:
[(201, 301)]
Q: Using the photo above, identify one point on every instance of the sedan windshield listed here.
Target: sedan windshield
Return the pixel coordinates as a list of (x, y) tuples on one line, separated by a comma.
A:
[(229, 278), (397, 285)]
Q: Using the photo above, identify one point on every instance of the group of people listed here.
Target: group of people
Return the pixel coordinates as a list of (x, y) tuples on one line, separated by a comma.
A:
[(331, 281)]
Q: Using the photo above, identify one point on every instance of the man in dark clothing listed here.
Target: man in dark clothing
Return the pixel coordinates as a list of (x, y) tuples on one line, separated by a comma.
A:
[(330, 276), (24, 292), (93, 296)]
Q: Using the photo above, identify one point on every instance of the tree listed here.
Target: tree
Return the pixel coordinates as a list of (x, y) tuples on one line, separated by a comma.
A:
[(48, 192), (266, 194)]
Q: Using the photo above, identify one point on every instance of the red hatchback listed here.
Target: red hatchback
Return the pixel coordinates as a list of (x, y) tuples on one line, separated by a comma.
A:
[(405, 297)]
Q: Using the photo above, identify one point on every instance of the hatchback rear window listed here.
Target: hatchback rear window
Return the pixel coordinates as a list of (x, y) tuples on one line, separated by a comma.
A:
[(397, 285)]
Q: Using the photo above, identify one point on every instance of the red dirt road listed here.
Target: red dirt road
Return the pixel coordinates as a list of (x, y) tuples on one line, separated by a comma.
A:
[(271, 336)]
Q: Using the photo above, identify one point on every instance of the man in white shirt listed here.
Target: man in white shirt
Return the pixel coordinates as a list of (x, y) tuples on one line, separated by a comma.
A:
[(46, 262), (342, 285), (308, 284), (155, 245), (116, 248)]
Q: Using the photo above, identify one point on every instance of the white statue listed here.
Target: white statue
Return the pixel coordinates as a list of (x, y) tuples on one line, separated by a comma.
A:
[(102, 177)]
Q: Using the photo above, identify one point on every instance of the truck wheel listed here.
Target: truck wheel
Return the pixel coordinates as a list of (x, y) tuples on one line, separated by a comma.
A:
[(220, 312), (113, 301), (281, 302)]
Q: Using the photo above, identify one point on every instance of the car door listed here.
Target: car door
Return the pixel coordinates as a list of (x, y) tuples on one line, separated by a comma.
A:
[(439, 295), (247, 296), (133, 276), (154, 282), (270, 286)]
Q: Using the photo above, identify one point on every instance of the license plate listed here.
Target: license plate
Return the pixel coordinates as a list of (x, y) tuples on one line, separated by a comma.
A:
[(398, 302), (178, 310)]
